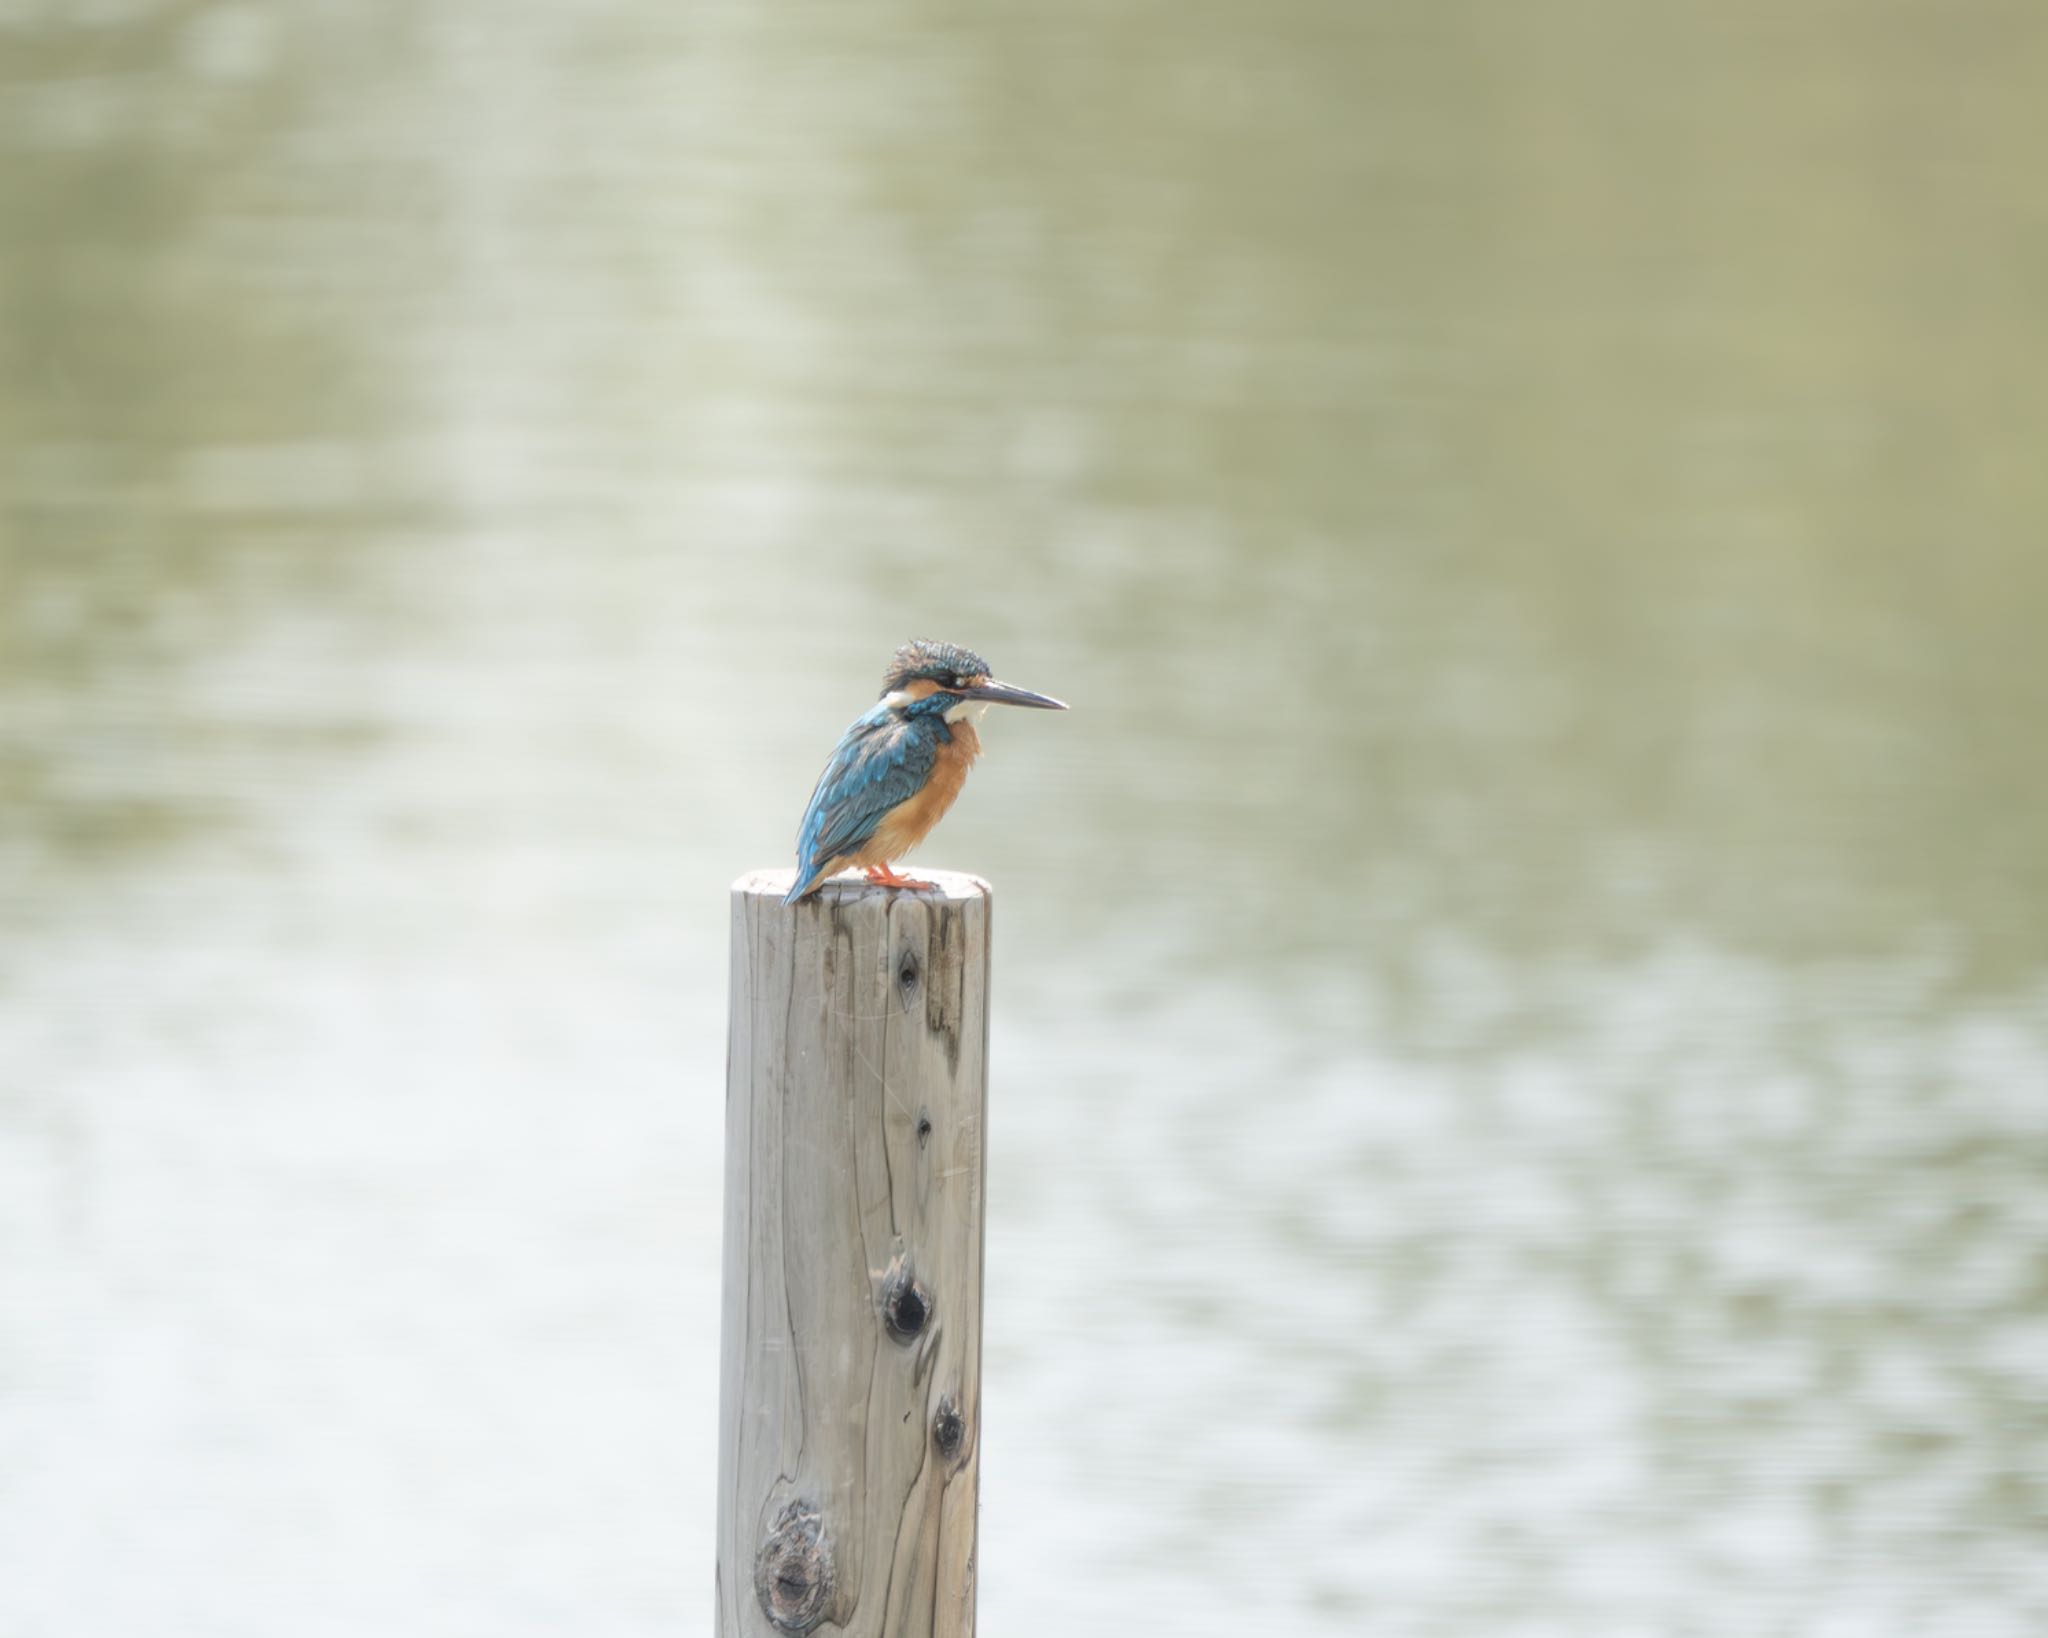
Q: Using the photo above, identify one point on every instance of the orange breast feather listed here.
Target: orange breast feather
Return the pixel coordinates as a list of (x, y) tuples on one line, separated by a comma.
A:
[(908, 823)]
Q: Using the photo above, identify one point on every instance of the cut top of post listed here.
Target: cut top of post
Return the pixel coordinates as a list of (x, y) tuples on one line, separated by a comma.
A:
[(945, 886)]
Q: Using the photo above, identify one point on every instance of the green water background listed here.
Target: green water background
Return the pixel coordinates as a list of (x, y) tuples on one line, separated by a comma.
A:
[(1521, 1050)]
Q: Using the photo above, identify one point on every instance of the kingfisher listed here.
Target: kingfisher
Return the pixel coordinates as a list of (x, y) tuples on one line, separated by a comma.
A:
[(897, 769)]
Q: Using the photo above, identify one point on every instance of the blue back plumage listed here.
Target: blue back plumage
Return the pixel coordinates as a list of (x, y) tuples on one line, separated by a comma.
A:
[(882, 760)]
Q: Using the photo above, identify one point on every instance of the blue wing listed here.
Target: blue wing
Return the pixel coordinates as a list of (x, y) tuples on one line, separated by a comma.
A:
[(882, 760)]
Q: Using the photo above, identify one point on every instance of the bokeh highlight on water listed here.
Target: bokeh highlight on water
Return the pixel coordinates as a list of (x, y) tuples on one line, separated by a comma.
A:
[(1521, 1054)]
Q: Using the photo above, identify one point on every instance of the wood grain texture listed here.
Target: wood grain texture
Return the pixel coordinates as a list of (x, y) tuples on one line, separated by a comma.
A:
[(850, 1404)]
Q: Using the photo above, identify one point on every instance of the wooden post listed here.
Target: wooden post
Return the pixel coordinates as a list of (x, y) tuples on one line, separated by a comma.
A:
[(850, 1404)]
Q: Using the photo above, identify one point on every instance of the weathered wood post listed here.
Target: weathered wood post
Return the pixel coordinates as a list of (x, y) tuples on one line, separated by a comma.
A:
[(850, 1405)]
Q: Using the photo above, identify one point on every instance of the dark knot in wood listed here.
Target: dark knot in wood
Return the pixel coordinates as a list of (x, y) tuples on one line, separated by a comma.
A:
[(906, 1304), (907, 975), (949, 1427), (793, 1570)]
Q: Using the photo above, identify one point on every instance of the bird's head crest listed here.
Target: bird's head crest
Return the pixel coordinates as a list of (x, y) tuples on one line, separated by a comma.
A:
[(941, 663)]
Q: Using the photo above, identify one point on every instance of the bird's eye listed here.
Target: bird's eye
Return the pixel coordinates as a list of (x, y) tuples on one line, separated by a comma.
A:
[(958, 681)]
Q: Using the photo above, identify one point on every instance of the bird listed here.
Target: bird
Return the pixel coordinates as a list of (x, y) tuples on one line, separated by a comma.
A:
[(898, 766)]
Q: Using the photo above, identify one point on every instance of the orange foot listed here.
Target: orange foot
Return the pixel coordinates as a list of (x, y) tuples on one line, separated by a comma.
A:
[(882, 876)]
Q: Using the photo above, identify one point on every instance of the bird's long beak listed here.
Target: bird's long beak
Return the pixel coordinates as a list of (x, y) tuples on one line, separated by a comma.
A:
[(997, 693)]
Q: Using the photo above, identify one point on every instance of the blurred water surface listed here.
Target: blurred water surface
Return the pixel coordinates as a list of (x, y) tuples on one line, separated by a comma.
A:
[(1521, 1059)]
